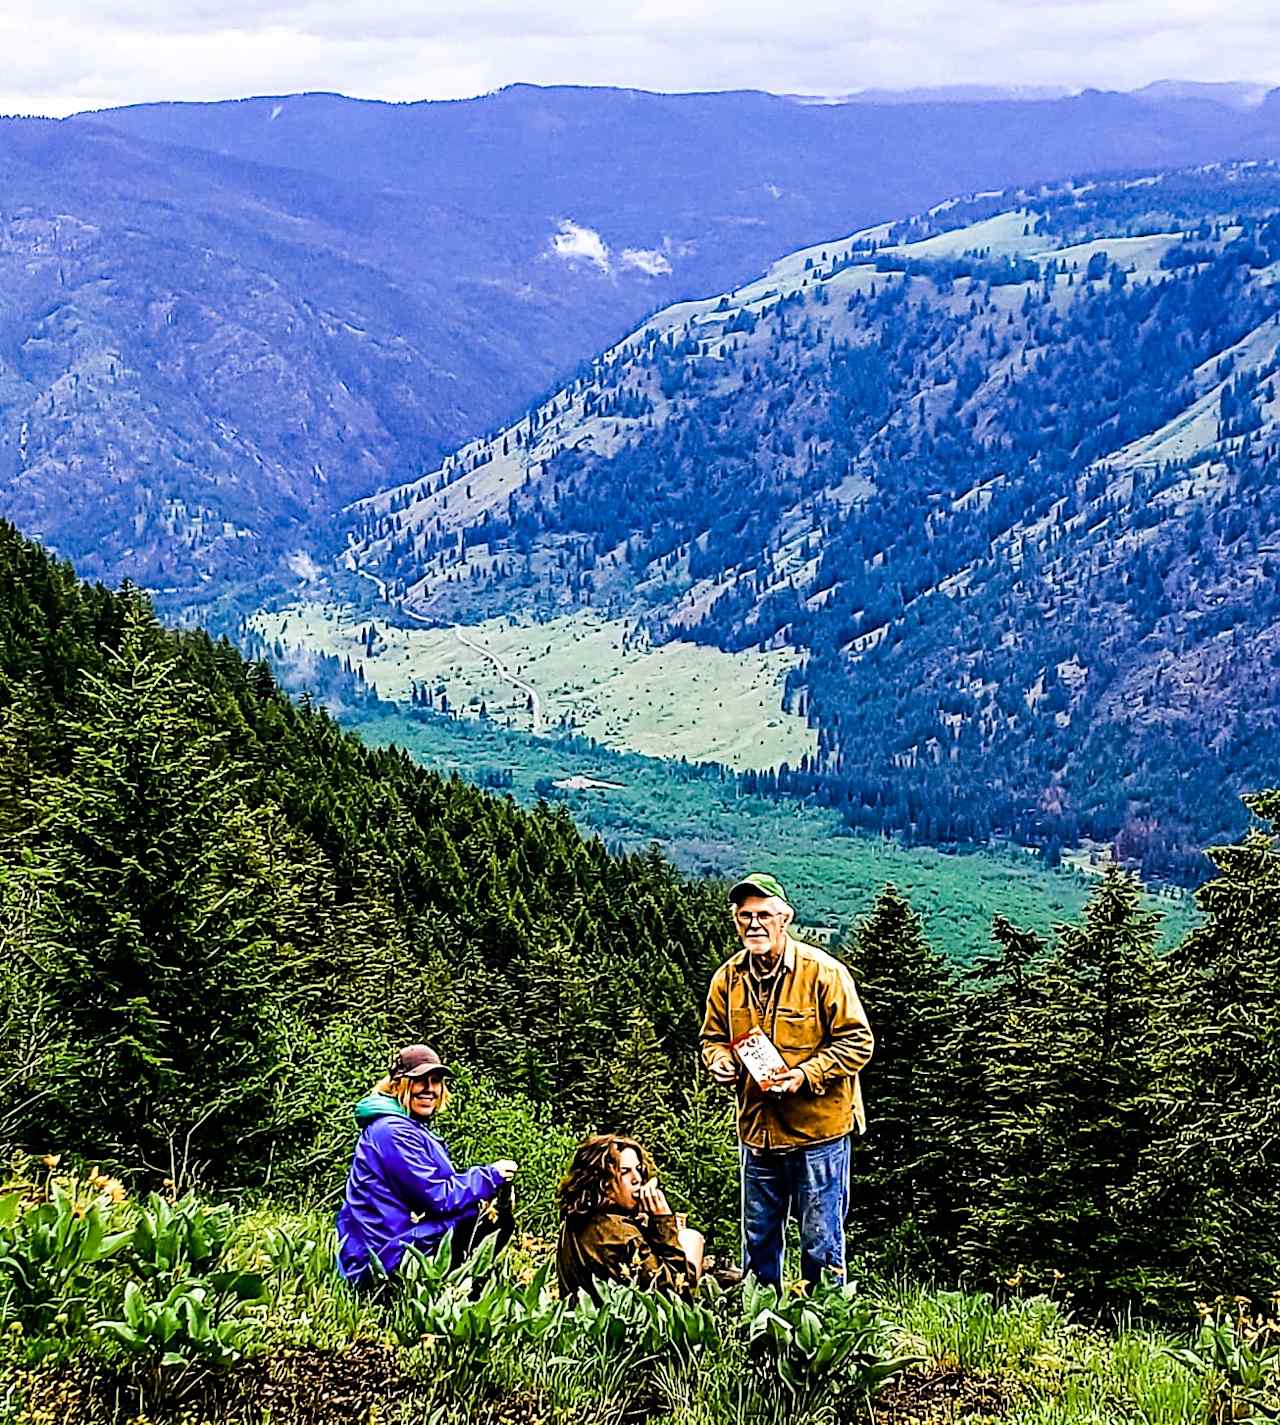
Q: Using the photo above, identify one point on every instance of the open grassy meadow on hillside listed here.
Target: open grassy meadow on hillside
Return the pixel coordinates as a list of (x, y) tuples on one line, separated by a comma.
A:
[(593, 674)]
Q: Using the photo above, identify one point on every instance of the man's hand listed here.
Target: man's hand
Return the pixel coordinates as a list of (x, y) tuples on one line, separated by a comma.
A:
[(725, 1070), (507, 1168), (651, 1199), (789, 1082)]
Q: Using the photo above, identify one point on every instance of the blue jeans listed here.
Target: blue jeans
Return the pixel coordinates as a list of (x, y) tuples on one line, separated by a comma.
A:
[(810, 1183)]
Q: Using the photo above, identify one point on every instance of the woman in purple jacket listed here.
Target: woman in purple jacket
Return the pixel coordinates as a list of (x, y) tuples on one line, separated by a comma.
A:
[(402, 1188)]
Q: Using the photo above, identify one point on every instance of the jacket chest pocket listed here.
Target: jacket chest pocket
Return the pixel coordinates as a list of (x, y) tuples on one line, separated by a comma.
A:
[(796, 1029)]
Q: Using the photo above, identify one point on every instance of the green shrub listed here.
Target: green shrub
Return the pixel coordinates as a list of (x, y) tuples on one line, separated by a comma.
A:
[(55, 1255), (463, 1318), (816, 1347), (698, 1159), (483, 1124), (302, 1258), (1238, 1362), (176, 1238), (639, 1327), (431, 1297), (195, 1323)]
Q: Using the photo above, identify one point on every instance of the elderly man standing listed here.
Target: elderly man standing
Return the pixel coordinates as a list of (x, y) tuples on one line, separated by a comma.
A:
[(785, 1027)]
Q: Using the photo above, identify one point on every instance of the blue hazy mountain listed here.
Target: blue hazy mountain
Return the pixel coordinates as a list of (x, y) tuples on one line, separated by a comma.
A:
[(224, 321), (720, 184)]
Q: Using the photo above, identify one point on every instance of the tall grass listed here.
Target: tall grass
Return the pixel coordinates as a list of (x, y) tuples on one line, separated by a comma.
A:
[(1062, 1372)]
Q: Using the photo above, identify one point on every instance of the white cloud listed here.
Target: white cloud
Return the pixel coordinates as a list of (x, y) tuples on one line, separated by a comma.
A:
[(575, 243), (63, 55), (650, 260)]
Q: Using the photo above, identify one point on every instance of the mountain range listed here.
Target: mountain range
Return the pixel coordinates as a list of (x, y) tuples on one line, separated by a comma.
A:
[(221, 323), (1003, 473)]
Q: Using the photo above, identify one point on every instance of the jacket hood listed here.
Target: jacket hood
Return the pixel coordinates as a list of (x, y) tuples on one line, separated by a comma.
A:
[(378, 1105)]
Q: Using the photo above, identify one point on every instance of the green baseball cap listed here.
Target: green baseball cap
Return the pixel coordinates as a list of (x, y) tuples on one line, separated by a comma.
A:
[(756, 883)]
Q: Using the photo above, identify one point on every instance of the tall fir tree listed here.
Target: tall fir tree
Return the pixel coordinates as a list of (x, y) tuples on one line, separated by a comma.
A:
[(1221, 1149), (178, 920), (902, 1179), (641, 1099), (995, 1060), (1072, 1119)]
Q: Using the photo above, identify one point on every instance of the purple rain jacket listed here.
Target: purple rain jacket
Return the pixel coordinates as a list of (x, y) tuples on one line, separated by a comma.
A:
[(400, 1167)]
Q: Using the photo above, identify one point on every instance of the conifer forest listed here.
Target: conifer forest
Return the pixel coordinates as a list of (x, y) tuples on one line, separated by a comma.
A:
[(219, 910)]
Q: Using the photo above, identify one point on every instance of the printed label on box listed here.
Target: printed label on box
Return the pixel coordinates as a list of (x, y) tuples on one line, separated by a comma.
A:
[(759, 1056)]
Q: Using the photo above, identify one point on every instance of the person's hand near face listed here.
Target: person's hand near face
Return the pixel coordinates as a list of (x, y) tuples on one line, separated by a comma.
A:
[(630, 1190), (651, 1199)]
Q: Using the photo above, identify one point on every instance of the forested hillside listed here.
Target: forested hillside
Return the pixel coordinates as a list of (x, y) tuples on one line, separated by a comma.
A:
[(224, 321), (1003, 473), (201, 878), (218, 912)]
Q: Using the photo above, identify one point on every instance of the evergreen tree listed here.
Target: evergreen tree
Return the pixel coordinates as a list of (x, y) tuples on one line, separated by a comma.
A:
[(1071, 1126), (902, 1180), (996, 1062), (1220, 1153), (175, 917), (639, 1079)]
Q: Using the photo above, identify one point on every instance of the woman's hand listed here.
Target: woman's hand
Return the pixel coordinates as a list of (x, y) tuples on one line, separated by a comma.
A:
[(651, 1199), (507, 1168)]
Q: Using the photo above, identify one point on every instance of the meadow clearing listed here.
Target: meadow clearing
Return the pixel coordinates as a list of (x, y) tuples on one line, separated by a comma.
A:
[(594, 676)]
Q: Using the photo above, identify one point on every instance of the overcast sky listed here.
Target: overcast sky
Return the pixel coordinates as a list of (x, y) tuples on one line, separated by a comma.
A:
[(65, 56)]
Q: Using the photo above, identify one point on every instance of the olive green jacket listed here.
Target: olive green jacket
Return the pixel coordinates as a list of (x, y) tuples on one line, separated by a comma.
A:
[(811, 1011), (619, 1246)]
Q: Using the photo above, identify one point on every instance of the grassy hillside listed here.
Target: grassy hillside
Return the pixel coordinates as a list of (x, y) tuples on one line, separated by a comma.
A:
[(601, 678), (707, 827)]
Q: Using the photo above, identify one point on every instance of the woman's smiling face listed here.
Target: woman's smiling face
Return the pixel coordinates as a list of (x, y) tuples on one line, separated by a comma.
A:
[(424, 1097)]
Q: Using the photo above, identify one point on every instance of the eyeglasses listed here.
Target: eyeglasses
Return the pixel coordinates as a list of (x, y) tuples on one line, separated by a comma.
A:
[(763, 918)]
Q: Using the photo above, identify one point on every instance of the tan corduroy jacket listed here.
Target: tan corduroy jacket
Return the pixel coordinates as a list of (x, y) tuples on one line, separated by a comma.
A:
[(613, 1245), (812, 1013)]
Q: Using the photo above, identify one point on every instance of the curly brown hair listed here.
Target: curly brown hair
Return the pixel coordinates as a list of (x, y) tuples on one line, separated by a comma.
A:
[(588, 1184)]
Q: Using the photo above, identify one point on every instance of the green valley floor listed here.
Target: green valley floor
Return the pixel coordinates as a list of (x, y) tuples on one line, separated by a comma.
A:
[(706, 827)]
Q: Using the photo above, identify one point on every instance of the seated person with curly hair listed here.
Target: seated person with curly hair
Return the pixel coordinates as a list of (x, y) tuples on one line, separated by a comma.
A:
[(615, 1224)]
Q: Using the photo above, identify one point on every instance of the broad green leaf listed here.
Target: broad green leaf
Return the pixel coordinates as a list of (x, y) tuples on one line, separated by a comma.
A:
[(10, 1208)]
